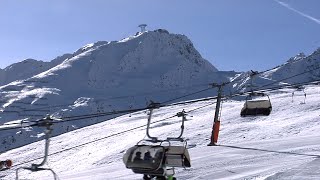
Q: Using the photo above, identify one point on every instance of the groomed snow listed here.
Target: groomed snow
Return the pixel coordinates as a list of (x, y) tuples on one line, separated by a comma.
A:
[(284, 145)]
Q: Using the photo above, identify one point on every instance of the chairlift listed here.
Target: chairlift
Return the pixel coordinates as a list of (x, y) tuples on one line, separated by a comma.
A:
[(299, 89), (155, 158), (256, 107), (47, 123)]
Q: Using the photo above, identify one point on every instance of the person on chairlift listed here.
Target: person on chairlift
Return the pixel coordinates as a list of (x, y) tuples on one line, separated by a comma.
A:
[(137, 158), (147, 156)]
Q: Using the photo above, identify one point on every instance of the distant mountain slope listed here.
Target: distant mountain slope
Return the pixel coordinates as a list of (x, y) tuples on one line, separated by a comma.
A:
[(27, 68), (297, 69), (109, 76)]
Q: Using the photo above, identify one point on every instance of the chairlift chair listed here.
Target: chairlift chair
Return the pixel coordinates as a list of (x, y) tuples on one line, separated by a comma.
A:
[(47, 123), (159, 158), (256, 107), (301, 89)]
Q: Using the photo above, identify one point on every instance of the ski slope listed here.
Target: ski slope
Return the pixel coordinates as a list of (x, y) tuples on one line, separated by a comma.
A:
[(284, 145)]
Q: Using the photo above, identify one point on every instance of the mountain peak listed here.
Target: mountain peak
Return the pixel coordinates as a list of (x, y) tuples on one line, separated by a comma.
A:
[(297, 57)]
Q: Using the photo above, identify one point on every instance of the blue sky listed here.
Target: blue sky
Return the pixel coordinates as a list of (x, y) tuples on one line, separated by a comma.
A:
[(231, 34)]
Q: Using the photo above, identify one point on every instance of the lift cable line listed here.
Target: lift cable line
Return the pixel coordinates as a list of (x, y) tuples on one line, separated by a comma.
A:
[(187, 95), (112, 135), (265, 108), (219, 97), (261, 107), (81, 117), (278, 81), (285, 86), (312, 82), (271, 151), (94, 115), (255, 73), (266, 85), (47, 123), (143, 94), (119, 97), (87, 116), (192, 101)]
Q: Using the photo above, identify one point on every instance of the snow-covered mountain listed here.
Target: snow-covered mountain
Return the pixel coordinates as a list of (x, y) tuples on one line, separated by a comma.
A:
[(107, 76), (127, 74)]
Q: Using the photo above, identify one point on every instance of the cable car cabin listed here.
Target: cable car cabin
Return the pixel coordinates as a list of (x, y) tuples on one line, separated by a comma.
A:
[(154, 160), (256, 108)]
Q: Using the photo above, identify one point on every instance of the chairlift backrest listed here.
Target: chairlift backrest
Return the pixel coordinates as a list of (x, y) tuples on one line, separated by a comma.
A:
[(177, 156), (144, 157), (256, 107), (178, 138), (152, 158), (301, 89), (258, 104)]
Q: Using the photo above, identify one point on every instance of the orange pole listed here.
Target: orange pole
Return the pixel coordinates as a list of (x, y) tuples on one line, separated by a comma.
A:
[(216, 130), (216, 124)]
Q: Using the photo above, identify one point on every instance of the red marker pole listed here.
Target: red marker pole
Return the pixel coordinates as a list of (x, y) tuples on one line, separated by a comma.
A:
[(216, 123)]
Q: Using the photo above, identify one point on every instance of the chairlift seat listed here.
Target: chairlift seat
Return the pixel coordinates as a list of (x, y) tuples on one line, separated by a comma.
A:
[(256, 108), (136, 159), (177, 156)]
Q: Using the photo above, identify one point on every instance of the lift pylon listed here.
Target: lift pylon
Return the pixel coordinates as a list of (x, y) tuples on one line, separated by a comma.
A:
[(216, 123)]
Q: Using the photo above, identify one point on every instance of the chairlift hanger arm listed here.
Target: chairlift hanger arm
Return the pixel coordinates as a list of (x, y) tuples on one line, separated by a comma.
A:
[(183, 115), (47, 123), (148, 126)]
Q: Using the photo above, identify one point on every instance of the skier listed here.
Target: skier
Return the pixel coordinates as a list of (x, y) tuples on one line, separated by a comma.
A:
[(137, 158), (147, 156)]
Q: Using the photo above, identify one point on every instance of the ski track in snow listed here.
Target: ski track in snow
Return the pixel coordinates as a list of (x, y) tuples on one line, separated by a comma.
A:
[(284, 145)]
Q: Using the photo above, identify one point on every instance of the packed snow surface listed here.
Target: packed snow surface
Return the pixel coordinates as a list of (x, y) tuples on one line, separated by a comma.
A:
[(283, 145)]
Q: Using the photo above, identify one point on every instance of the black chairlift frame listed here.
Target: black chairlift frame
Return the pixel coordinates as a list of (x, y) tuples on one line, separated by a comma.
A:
[(173, 156), (300, 88), (182, 114), (47, 123)]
